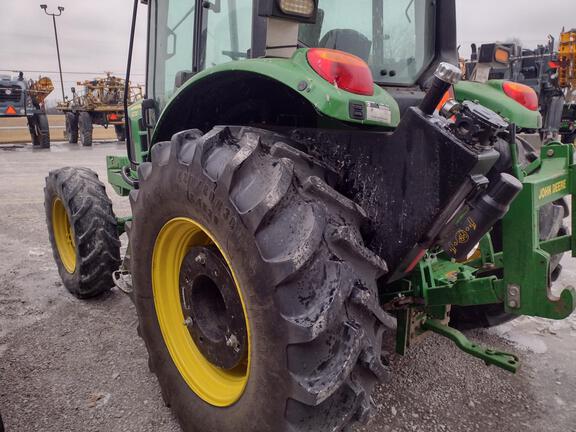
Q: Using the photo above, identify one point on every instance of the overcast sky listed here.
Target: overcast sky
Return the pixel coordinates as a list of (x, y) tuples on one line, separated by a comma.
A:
[(94, 34)]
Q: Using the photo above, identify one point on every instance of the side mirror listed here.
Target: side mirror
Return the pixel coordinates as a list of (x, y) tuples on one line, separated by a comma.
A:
[(149, 113)]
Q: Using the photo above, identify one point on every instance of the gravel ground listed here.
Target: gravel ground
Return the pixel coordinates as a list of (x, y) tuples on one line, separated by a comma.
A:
[(67, 365)]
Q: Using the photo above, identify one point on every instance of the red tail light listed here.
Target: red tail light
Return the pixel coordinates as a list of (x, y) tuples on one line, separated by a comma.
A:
[(522, 94), (346, 71), (113, 117)]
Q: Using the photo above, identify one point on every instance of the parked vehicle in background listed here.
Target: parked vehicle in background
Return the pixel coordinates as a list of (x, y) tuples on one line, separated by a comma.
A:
[(567, 81), (549, 71), (22, 98), (99, 102)]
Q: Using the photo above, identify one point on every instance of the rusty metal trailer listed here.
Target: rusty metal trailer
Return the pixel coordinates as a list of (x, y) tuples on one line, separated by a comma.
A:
[(99, 102)]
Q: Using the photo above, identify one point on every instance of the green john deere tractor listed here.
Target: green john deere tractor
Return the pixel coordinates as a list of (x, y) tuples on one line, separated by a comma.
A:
[(300, 186)]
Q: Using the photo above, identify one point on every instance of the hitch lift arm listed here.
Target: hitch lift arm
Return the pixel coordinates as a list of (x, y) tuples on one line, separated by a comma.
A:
[(503, 360)]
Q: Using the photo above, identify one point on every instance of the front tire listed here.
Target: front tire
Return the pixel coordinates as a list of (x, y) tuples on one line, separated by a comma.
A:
[(39, 130), (307, 284), (86, 128), (120, 132), (82, 230), (72, 128)]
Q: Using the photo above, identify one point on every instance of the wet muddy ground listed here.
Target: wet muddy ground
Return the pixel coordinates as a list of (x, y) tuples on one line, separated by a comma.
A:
[(67, 365)]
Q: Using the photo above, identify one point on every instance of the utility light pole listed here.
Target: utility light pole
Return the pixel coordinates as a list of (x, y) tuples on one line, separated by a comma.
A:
[(54, 15)]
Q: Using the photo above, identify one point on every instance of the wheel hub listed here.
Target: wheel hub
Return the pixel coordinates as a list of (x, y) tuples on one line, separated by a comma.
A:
[(212, 308)]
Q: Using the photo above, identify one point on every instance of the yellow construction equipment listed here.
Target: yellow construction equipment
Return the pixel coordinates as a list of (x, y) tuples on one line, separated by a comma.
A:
[(567, 60), (39, 90)]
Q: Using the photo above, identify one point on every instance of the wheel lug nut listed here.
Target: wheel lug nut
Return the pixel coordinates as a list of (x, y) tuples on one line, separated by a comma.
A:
[(188, 322), (200, 259), (232, 342)]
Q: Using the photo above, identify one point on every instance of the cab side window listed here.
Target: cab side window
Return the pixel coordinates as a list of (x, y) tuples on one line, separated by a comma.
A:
[(228, 33), (173, 45)]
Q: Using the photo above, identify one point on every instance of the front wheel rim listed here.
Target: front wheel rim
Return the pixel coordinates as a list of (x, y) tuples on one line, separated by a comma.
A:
[(63, 235), (216, 386)]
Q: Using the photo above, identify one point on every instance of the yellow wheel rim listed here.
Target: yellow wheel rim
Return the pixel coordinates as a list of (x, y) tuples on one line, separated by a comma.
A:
[(215, 386), (63, 235)]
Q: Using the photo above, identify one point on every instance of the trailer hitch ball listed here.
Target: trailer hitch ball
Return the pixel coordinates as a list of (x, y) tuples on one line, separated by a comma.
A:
[(446, 75)]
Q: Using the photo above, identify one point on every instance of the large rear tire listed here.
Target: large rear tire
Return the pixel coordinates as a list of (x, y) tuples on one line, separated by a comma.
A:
[(306, 283), (86, 128), (82, 230)]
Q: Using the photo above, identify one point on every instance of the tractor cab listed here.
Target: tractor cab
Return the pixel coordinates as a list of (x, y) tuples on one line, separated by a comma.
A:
[(396, 39), (401, 41)]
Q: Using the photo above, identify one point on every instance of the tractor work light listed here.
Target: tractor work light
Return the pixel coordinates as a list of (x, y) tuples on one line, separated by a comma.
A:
[(495, 54), (304, 11), (345, 71), (304, 8), (502, 56), (524, 95)]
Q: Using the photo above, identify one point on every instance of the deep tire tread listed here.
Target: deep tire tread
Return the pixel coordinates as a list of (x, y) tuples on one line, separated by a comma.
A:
[(95, 230), (86, 128), (72, 127), (332, 338)]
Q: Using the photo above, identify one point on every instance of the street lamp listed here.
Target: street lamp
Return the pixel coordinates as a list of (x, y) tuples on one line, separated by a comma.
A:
[(54, 15)]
